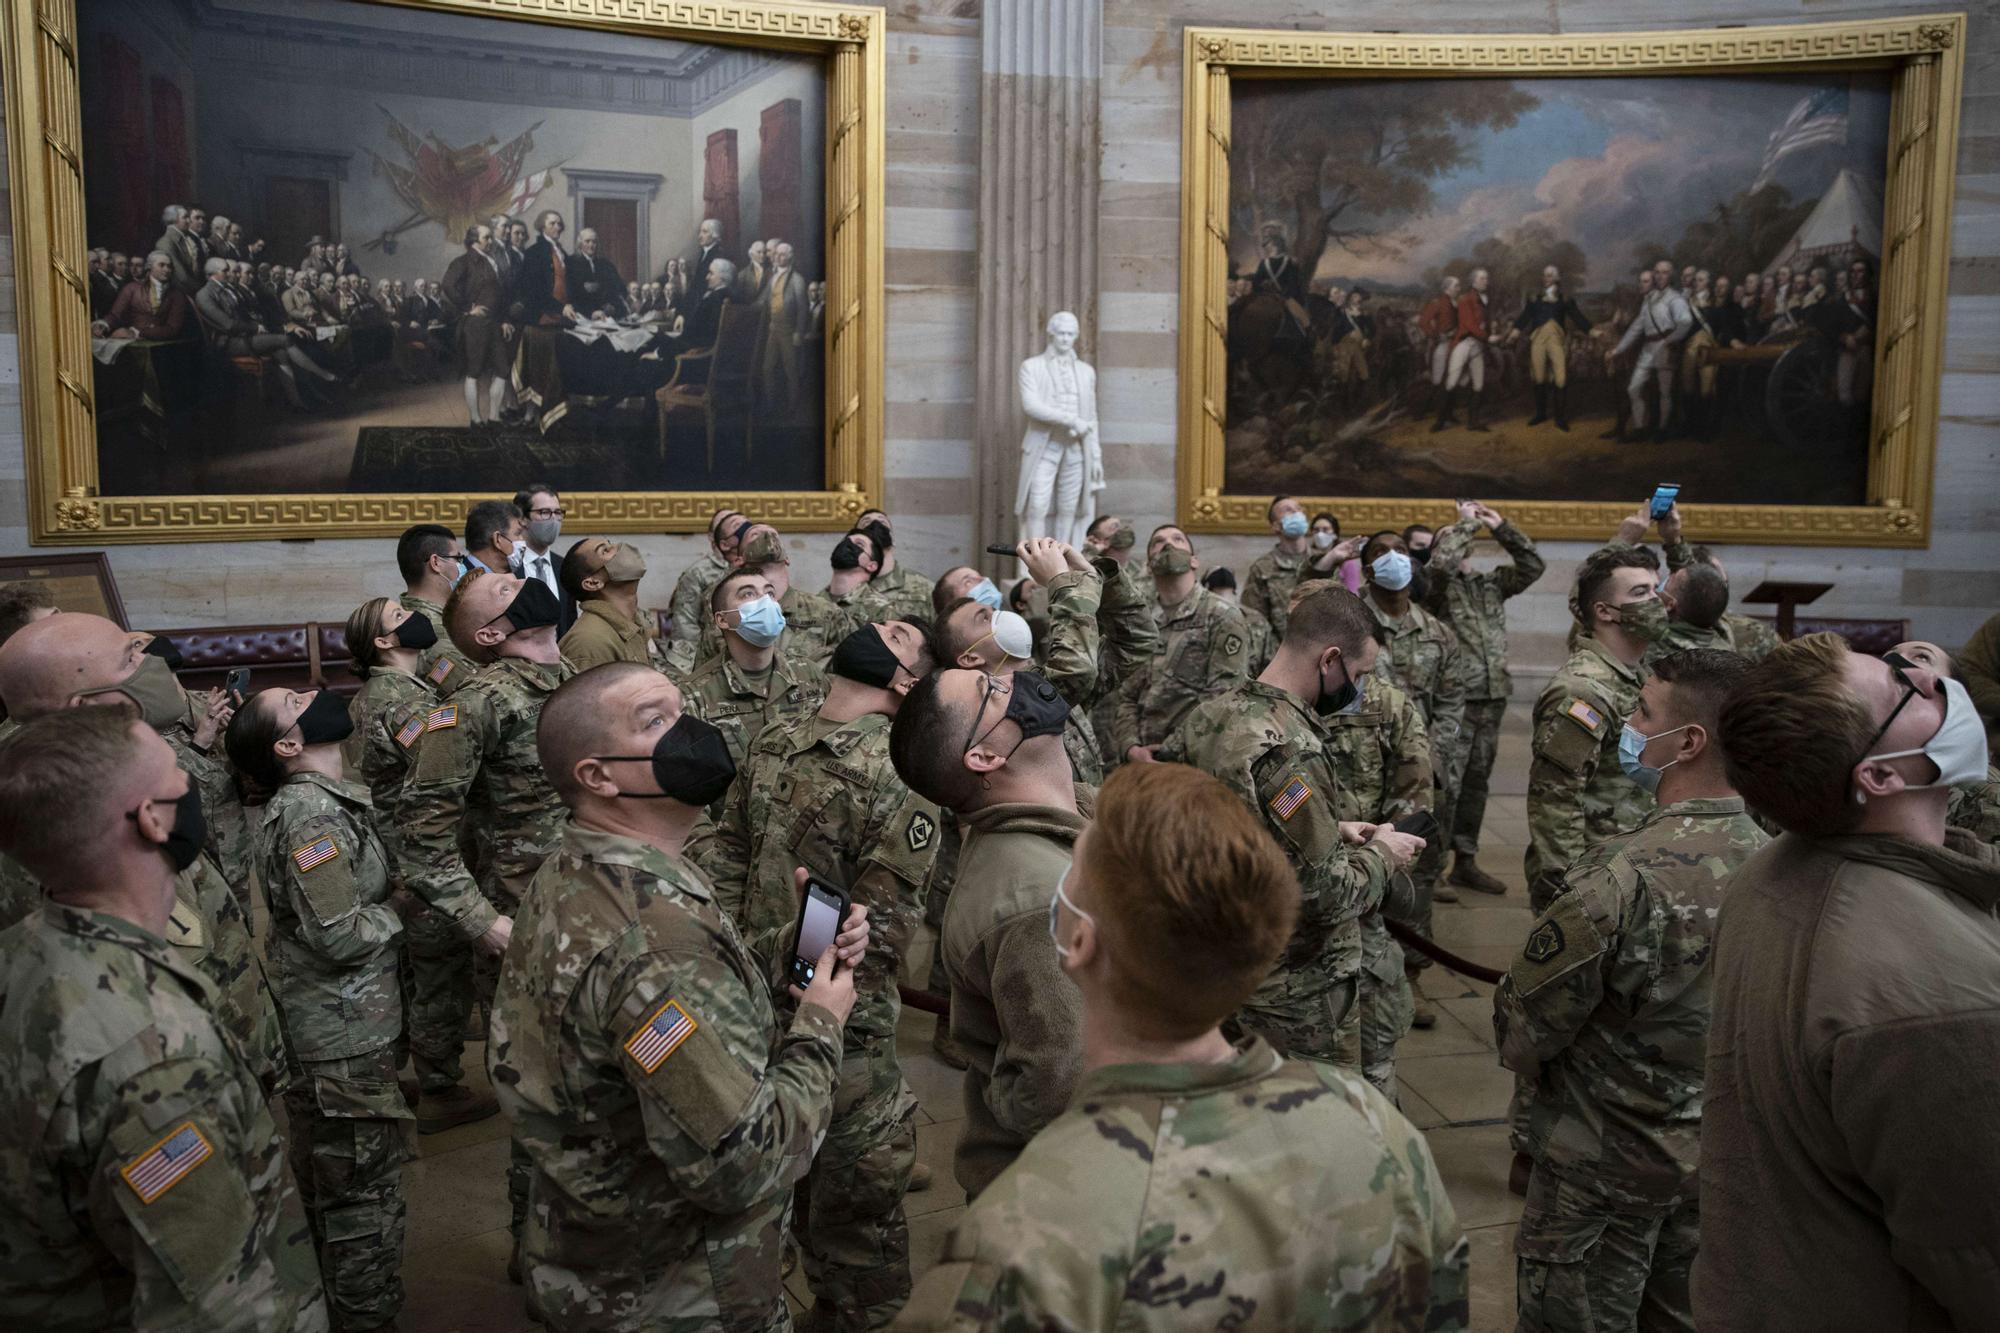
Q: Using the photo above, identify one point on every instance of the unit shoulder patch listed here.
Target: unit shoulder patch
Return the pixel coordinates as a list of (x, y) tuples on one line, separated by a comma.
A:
[(660, 1036), (1233, 645), (921, 832), (1544, 943)]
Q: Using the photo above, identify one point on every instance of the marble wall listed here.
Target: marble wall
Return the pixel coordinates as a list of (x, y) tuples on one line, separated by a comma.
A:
[(952, 449)]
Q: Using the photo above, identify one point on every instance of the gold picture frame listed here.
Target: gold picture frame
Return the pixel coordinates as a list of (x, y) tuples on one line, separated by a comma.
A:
[(68, 503), (1924, 56)]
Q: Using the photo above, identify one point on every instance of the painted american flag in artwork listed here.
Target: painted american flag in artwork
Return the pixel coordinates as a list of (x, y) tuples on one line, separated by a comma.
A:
[(655, 1041), (163, 1165), (1820, 118)]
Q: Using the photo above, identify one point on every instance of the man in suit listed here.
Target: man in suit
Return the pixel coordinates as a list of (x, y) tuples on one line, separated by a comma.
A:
[(103, 287), (541, 285), (542, 503), (149, 308), (1468, 356), (705, 320), (343, 262), (594, 283), (473, 289), (786, 318), (232, 330), (707, 249), (182, 246), (315, 260), (1547, 319), (754, 275), (301, 308)]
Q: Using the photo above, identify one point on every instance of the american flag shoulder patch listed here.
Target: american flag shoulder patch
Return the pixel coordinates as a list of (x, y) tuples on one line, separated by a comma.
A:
[(314, 854), (407, 734), (167, 1163), (1585, 714), (440, 718), (659, 1036), (441, 670), (1287, 802)]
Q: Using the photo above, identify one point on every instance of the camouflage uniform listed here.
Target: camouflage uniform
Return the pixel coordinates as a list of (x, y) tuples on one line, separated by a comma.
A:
[(1421, 653), (1475, 606), (228, 828), (1975, 807), (1015, 1016), (1382, 761), (1577, 793), (1267, 588), (689, 606), (896, 595), (144, 1178), (1069, 661), (1262, 1193), (445, 668), (665, 1112), (742, 705), (1263, 642), (1270, 748), (1204, 652), (334, 963), (602, 633), (1753, 638), (823, 795), (1605, 1015), (814, 627), (479, 746), (1128, 640)]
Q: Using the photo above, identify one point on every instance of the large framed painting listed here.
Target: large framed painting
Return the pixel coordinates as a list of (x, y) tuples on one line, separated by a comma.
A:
[(305, 268), (1554, 271)]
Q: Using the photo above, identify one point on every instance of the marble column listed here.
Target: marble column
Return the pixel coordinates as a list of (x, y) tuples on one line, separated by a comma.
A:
[(1038, 187)]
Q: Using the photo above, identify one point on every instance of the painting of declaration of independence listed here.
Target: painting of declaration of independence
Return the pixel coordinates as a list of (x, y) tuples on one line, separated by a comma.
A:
[(339, 246), (1555, 288)]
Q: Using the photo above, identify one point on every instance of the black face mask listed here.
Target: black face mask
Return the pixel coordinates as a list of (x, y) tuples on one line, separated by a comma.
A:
[(417, 632), (1327, 705), (1422, 555), (862, 657), (533, 607), (690, 762), (189, 832), (325, 720), (1033, 705), (878, 532), (846, 555), (166, 650)]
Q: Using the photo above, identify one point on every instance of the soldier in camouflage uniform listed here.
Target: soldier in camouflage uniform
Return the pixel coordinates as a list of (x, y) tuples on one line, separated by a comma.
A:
[(145, 1182), (1382, 760), (666, 1109), (1474, 603), (1204, 651), (1577, 794), (603, 576), (747, 686), (1269, 741), (482, 741), (74, 659), (898, 591), (1605, 1016), (1747, 635), (1267, 588), (335, 960), (726, 529), (813, 624), (820, 792), (1069, 651), (1694, 596), (1211, 1187), (1222, 582), (431, 560)]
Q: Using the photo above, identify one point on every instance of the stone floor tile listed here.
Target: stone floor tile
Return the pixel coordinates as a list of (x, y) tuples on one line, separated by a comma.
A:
[(1465, 1087), (1493, 1296), (461, 1286), (936, 1145), (1473, 1159)]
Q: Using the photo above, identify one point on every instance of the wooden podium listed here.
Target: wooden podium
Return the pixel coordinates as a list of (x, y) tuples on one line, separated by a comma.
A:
[(1788, 597)]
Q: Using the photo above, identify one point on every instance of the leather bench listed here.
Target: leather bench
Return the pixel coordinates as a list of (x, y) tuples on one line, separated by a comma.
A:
[(299, 657)]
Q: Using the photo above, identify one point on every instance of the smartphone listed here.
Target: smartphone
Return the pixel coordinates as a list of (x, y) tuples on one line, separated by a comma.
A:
[(1422, 824), (1663, 498), (237, 684), (1001, 550), (821, 916)]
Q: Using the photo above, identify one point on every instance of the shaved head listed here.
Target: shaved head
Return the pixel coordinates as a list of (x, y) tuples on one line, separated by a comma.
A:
[(46, 664), (587, 716)]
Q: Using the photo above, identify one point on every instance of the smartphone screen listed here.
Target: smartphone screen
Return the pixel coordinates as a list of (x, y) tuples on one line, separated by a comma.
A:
[(1663, 498), (819, 922)]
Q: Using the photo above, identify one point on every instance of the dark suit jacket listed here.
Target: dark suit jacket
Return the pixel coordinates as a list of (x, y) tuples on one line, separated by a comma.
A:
[(698, 261), (133, 310), (594, 284), (471, 280), (704, 321), (103, 293), (535, 299)]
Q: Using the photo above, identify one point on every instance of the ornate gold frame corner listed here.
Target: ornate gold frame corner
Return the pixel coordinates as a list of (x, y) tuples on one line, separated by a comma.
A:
[(1926, 52), (67, 503)]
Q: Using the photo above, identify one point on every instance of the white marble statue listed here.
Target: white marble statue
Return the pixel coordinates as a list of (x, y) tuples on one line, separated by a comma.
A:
[(1062, 468)]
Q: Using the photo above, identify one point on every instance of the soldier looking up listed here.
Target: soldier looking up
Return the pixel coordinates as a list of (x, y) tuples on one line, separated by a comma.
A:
[(1192, 1180), (1605, 1018)]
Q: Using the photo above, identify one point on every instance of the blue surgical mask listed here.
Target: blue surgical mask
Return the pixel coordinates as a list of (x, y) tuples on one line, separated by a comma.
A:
[(987, 595), (1293, 524), (1392, 571), (760, 622), (459, 564), (1631, 744)]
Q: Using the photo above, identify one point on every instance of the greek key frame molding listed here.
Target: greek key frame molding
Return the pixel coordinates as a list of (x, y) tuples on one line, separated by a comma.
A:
[(1925, 55), (68, 503)]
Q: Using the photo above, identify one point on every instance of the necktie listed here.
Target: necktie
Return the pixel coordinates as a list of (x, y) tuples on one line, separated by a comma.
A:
[(542, 568)]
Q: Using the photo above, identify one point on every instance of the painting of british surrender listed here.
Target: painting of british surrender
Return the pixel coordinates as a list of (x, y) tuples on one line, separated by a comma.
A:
[(346, 247), (1555, 288)]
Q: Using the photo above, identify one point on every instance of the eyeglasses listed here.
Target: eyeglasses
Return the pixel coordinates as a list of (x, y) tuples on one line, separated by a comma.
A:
[(1899, 667), (557, 512), (994, 685)]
